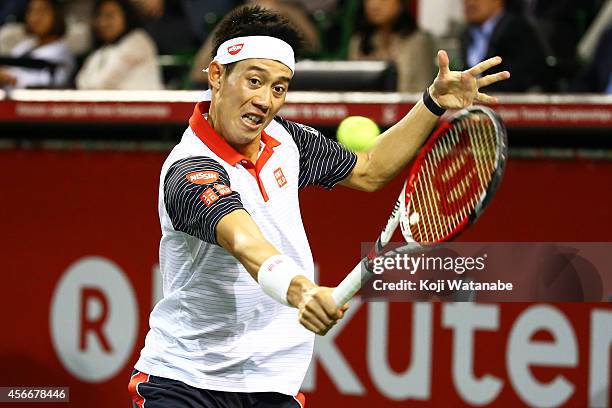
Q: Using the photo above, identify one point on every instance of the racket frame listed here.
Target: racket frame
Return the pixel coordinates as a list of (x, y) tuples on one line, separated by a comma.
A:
[(499, 169), (362, 272)]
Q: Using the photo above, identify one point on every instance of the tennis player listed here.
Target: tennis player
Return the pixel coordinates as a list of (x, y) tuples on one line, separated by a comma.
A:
[(236, 325)]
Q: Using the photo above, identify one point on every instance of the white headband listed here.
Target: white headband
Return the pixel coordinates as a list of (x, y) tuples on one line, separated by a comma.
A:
[(241, 48)]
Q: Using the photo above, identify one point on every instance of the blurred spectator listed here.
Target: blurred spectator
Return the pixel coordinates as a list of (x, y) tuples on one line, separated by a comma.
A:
[(150, 8), (335, 22), (189, 21), (11, 34), (315, 6), (440, 17), (78, 36), (45, 24), (125, 56), (203, 15), (492, 30), (597, 77), (561, 24), (77, 15), (296, 16), (388, 31), (299, 18)]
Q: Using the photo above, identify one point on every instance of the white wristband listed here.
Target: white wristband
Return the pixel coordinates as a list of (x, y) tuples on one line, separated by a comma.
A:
[(275, 276)]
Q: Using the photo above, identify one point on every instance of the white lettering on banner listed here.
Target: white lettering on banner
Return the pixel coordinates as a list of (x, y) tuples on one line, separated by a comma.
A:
[(531, 113), (93, 110), (93, 319), (599, 368), (509, 114), (319, 111), (481, 317), (464, 319), (581, 115), (556, 115), (338, 369), (415, 382), (523, 352)]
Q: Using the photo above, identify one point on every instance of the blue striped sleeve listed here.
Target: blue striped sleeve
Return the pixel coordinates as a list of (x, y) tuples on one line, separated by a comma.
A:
[(323, 161), (197, 194)]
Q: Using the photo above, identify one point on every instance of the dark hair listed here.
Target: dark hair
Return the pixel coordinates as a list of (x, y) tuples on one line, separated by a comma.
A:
[(59, 23), (132, 20), (404, 24), (255, 20)]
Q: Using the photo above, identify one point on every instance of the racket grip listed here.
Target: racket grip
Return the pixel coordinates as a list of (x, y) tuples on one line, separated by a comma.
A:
[(351, 284)]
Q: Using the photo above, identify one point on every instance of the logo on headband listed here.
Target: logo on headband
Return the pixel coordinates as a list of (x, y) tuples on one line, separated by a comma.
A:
[(234, 49)]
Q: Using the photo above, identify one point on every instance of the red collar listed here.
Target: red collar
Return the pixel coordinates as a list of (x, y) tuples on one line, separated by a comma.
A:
[(216, 143)]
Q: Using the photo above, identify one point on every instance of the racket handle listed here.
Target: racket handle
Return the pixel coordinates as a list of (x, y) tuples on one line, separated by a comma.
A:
[(351, 284)]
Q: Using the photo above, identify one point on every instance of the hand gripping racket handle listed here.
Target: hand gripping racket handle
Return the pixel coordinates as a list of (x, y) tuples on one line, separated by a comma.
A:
[(360, 273)]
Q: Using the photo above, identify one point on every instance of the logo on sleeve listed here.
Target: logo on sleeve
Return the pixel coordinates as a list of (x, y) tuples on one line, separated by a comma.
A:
[(209, 197), (280, 177), (235, 49), (309, 129), (202, 177), (222, 189)]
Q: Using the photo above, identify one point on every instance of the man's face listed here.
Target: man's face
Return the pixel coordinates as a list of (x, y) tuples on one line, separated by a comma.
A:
[(110, 21), (247, 99), (40, 17), (479, 11), (382, 13)]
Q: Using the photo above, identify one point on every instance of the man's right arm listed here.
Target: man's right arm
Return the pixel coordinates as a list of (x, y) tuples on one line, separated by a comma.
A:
[(240, 236), (200, 202)]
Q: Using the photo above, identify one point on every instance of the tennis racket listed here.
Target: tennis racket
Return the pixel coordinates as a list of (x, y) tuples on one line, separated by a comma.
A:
[(453, 178)]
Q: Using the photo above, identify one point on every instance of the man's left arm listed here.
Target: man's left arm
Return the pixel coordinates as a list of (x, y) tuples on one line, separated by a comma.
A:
[(400, 143)]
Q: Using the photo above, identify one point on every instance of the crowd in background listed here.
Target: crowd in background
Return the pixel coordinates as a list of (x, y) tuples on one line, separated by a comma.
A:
[(548, 45)]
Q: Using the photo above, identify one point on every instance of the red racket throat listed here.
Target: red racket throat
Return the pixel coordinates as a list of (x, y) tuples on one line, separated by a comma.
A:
[(454, 176), (452, 180)]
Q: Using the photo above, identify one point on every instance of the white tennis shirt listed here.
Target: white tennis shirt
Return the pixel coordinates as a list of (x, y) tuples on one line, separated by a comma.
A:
[(215, 328)]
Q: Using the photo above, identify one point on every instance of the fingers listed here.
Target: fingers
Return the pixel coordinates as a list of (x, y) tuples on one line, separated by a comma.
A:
[(319, 313), (491, 79), (484, 65), (484, 98), (322, 315), (315, 322), (315, 327), (443, 62)]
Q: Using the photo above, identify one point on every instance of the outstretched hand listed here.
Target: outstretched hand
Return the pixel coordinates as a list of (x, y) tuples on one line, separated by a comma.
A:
[(459, 89)]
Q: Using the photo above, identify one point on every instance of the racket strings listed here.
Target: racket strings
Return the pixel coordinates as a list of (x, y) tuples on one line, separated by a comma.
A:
[(435, 226), (455, 178), (452, 179), (417, 202), (453, 189), (444, 148)]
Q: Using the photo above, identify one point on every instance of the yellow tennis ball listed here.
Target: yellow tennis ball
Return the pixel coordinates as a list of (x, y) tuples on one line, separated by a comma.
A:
[(358, 133)]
